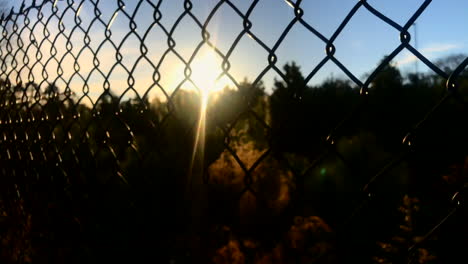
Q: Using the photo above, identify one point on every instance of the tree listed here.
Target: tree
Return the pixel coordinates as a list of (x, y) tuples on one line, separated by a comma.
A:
[(385, 110), (291, 124), (451, 62)]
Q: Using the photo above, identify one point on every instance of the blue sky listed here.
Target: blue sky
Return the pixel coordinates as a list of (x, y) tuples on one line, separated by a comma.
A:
[(441, 30)]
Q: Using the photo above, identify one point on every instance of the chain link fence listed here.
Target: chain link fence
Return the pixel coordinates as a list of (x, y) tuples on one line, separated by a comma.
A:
[(101, 161)]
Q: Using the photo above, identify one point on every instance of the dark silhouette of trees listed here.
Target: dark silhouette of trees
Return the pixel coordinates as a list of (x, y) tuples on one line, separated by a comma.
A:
[(289, 131), (111, 181)]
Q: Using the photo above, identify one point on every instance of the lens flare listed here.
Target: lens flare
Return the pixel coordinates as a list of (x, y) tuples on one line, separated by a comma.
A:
[(207, 77)]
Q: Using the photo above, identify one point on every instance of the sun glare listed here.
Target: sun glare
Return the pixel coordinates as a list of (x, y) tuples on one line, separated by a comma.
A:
[(206, 71)]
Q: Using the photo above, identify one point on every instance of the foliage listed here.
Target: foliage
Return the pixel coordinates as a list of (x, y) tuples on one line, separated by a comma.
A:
[(279, 173), (395, 249)]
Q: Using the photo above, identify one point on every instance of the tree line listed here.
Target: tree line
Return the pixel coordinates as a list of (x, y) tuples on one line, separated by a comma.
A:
[(280, 171)]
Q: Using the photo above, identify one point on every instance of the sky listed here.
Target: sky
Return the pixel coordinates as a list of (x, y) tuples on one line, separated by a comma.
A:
[(440, 31)]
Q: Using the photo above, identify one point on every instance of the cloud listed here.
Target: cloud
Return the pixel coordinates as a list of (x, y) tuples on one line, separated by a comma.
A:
[(440, 48), (429, 52)]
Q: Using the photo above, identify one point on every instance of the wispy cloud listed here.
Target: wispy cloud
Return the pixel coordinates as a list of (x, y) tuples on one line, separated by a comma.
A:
[(429, 52)]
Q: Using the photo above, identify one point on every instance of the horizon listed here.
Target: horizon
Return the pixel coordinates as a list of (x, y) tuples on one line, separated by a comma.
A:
[(362, 53)]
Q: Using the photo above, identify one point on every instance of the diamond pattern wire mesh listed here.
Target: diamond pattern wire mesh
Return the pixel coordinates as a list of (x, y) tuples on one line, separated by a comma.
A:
[(65, 143)]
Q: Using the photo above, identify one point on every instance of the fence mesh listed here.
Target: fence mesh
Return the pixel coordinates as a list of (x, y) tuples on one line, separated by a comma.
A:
[(100, 159)]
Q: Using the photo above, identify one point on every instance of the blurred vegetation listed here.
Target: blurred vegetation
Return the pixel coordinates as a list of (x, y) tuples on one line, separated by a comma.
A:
[(111, 181)]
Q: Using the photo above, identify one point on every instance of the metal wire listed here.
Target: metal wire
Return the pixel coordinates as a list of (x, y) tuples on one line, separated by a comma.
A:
[(45, 137)]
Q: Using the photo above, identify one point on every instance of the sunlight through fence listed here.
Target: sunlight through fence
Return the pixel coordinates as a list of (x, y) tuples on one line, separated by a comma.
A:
[(115, 131)]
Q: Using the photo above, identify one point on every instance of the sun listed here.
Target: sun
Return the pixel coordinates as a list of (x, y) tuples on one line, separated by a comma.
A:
[(208, 78), (207, 74)]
